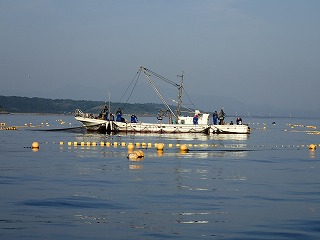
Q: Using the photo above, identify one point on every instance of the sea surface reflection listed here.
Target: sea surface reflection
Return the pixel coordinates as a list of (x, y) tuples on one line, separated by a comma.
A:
[(259, 186)]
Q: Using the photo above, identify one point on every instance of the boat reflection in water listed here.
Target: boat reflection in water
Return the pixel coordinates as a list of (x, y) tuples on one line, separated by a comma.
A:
[(229, 137), (219, 153), (195, 139), (201, 146)]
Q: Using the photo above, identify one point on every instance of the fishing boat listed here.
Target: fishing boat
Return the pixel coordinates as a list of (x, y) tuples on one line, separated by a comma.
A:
[(197, 123)]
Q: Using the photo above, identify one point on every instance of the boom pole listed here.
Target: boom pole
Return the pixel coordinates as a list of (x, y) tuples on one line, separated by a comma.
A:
[(158, 93), (148, 73), (179, 96)]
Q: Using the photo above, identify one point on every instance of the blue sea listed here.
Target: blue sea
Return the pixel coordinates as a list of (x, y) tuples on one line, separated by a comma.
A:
[(265, 185)]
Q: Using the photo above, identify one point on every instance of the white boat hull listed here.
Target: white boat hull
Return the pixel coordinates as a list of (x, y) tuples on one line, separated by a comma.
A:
[(93, 124), (102, 125), (241, 129), (159, 128)]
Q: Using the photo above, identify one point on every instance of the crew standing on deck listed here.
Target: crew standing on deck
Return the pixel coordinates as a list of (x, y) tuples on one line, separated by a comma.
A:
[(239, 121), (215, 118), (195, 119), (119, 117), (111, 116), (134, 118), (221, 117), (105, 113)]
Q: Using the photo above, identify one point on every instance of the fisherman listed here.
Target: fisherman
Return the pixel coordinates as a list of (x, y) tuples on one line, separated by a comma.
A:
[(134, 118), (239, 121), (215, 118), (104, 113), (221, 117), (195, 119), (111, 117), (119, 115)]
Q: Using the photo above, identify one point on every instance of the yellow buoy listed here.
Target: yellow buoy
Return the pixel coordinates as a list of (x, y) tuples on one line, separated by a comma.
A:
[(184, 148), (101, 143), (140, 153), (133, 156), (94, 144), (160, 146), (130, 147), (312, 147), (35, 145)]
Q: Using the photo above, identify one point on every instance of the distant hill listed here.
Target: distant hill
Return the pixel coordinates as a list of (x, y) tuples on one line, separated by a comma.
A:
[(16, 104)]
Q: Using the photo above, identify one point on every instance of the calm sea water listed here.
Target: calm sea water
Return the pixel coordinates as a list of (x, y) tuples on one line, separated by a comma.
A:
[(262, 186)]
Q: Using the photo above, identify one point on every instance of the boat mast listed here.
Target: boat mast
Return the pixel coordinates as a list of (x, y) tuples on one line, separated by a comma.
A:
[(179, 96)]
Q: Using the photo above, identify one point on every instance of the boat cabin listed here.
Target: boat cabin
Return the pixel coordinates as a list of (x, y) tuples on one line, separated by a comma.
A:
[(203, 118)]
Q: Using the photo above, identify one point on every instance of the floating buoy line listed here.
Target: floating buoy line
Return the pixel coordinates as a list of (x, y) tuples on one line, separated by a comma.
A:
[(183, 147)]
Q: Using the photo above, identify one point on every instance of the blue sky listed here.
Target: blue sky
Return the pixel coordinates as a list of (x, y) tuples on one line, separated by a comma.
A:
[(251, 52)]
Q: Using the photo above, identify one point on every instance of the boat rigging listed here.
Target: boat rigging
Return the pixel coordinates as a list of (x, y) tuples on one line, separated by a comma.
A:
[(199, 123), (148, 73)]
